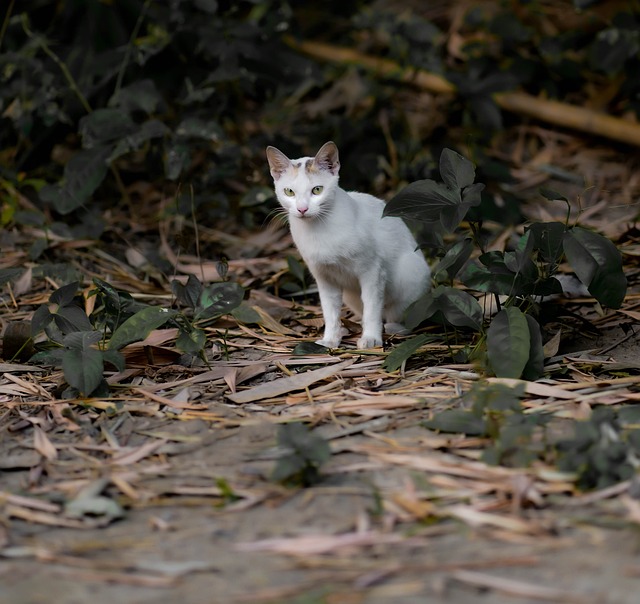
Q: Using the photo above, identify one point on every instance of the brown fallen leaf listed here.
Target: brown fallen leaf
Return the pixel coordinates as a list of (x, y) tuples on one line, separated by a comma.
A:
[(287, 384), (43, 445)]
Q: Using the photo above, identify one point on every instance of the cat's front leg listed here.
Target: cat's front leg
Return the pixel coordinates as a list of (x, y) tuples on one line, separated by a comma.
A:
[(372, 290), (331, 302)]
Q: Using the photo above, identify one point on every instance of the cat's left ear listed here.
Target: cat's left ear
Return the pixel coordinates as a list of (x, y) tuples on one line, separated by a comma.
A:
[(278, 162), (327, 158)]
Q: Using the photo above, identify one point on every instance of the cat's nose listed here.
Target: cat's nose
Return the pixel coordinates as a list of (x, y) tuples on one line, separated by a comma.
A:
[(302, 211)]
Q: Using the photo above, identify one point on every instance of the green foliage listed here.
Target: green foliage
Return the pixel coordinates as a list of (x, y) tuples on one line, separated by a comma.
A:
[(494, 411), (602, 451), (305, 454), (76, 345), (403, 351), (513, 338)]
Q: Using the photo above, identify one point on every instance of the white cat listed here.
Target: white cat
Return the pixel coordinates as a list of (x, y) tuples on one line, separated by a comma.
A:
[(350, 249)]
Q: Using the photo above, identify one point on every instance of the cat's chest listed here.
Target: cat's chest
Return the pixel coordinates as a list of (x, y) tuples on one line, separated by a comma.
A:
[(329, 246)]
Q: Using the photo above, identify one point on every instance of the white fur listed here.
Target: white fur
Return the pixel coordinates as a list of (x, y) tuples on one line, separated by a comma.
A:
[(351, 250)]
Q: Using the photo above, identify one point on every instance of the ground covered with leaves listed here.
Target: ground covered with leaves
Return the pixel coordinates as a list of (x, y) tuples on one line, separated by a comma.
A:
[(169, 431), (408, 478)]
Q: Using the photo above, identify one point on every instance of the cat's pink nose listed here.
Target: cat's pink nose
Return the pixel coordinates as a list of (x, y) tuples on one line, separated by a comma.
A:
[(302, 211)]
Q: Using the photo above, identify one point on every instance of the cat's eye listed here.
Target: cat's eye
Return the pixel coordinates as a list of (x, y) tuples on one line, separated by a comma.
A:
[(289, 192), (317, 190)]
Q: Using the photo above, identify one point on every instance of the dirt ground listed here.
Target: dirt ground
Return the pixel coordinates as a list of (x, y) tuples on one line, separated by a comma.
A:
[(371, 531), (163, 492)]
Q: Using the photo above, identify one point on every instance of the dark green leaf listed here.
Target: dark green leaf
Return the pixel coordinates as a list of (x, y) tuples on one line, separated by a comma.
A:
[(459, 308), (9, 274), (218, 299), (177, 158), (82, 364), (598, 264), (188, 294), (41, 318), (535, 364), (403, 351), (141, 95), (146, 131), (72, 318), (83, 174), (457, 421), (306, 348), (139, 326), (552, 195), (296, 268), (420, 310), (115, 358), (422, 200), (453, 260), (65, 294), (508, 343), (192, 341), (548, 239), (105, 125), (246, 314), (456, 171)]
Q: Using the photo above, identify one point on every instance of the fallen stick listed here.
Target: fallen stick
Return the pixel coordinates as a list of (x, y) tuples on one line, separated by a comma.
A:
[(552, 112)]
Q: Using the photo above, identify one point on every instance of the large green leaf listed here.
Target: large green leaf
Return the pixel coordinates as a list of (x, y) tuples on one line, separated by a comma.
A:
[(422, 200), (83, 364), (508, 343), (445, 305), (598, 264), (453, 260), (192, 340), (535, 364), (459, 308), (403, 351), (139, 326), (64, 295), (83, 174), (547, 237), (105, 125), (457, 421), (456, 171), (219, 299)]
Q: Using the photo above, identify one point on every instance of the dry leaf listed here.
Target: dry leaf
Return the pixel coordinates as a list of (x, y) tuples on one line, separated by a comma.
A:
[(287, 384)]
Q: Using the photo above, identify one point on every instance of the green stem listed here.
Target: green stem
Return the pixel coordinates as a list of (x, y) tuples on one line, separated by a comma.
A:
[(5, 23), (56, 59), (127, 54)]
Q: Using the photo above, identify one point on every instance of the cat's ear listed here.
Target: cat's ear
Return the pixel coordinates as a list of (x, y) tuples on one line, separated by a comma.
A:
[(327, 158), (278, 162)]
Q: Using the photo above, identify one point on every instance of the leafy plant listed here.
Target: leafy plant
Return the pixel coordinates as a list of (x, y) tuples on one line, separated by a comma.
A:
[(494, 411), (602, 451), (305, 454), (517, 279), (77, 345)]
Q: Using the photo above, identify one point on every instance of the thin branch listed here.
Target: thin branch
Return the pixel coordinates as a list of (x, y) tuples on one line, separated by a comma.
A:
[(5, 22), (127, 55), (56, 59), (552, 112)]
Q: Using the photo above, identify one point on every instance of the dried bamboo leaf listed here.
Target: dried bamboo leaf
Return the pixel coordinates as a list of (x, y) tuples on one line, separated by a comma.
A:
[(281, 386)]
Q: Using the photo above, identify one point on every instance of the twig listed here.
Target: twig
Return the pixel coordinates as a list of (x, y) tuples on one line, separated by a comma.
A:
[(553, 112), (56, 59), (127, 54), (5, 22)]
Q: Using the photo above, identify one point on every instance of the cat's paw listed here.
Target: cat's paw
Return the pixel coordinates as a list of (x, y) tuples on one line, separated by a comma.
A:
[(369, 342), (328, 343)]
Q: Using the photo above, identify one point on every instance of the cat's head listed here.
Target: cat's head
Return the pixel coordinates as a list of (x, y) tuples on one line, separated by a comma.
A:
[(305, 187)]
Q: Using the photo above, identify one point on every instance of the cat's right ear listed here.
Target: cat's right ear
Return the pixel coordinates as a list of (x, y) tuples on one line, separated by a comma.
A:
[(278, 162)]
